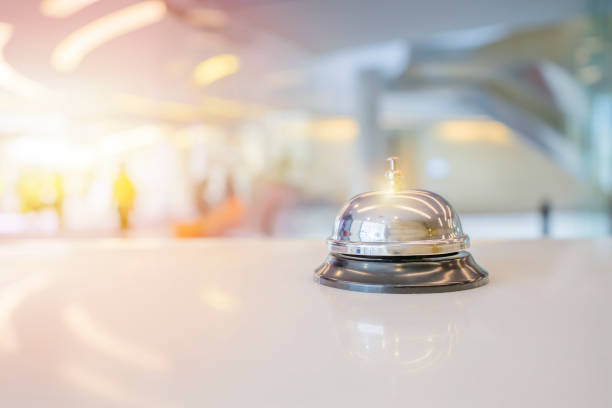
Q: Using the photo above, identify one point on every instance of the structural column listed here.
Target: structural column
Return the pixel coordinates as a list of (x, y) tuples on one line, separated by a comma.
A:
[(371, 141)]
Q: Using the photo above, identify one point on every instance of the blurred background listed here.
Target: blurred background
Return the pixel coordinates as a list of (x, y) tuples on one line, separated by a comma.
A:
[(194, 118)]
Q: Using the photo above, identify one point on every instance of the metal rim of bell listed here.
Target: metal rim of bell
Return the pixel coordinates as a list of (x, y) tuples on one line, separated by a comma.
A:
[(406, 248), (418, 274)]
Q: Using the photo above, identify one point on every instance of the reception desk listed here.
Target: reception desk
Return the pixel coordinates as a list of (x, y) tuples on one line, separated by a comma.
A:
[(241, 323)]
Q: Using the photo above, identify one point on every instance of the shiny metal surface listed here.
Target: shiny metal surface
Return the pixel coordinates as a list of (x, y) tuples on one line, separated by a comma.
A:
[(397, 223), (387, 223), (399, 241), (419, 274)]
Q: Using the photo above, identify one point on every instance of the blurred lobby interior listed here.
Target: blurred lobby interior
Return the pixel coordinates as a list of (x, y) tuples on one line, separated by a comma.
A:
[(240, 118)]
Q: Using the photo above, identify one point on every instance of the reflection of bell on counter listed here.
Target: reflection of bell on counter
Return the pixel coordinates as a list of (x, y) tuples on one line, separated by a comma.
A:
[(399, 241), (391, 333)]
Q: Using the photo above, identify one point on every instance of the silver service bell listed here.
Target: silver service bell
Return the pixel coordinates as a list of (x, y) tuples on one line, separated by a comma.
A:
[(399, 241)]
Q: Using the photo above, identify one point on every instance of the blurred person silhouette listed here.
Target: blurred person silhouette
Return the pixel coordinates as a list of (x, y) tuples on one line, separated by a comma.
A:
[(272, 193), (123, 195), (28, 192), (2, 186), (610, 215), (58, 203), (545, 208), (39, 190), (217, 220), (200, 196)]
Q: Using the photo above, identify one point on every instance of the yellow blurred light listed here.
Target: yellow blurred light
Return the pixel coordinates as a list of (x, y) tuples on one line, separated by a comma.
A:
[(334, 129), (215, 68), (210, 108), (12, 80), (229, 109), (151, 108), (63, 8), (474, 131), (70, 52)]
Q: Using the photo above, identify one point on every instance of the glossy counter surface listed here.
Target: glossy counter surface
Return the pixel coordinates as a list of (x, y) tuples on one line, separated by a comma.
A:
[(154, 323)]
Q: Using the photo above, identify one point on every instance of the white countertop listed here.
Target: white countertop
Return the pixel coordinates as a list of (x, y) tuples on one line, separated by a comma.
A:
[(240, 323)]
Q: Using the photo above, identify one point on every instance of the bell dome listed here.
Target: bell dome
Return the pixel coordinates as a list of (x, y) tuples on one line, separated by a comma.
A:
[(394, 223)]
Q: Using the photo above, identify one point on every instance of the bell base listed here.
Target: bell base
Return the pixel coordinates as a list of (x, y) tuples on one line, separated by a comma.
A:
[(413, 274)]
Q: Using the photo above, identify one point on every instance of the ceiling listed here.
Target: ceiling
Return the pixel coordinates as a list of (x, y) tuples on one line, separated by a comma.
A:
[(329, 25), (270, 36)]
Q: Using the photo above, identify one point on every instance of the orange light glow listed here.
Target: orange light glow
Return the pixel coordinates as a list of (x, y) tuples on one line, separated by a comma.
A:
[(474, 131), (340, 129)]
